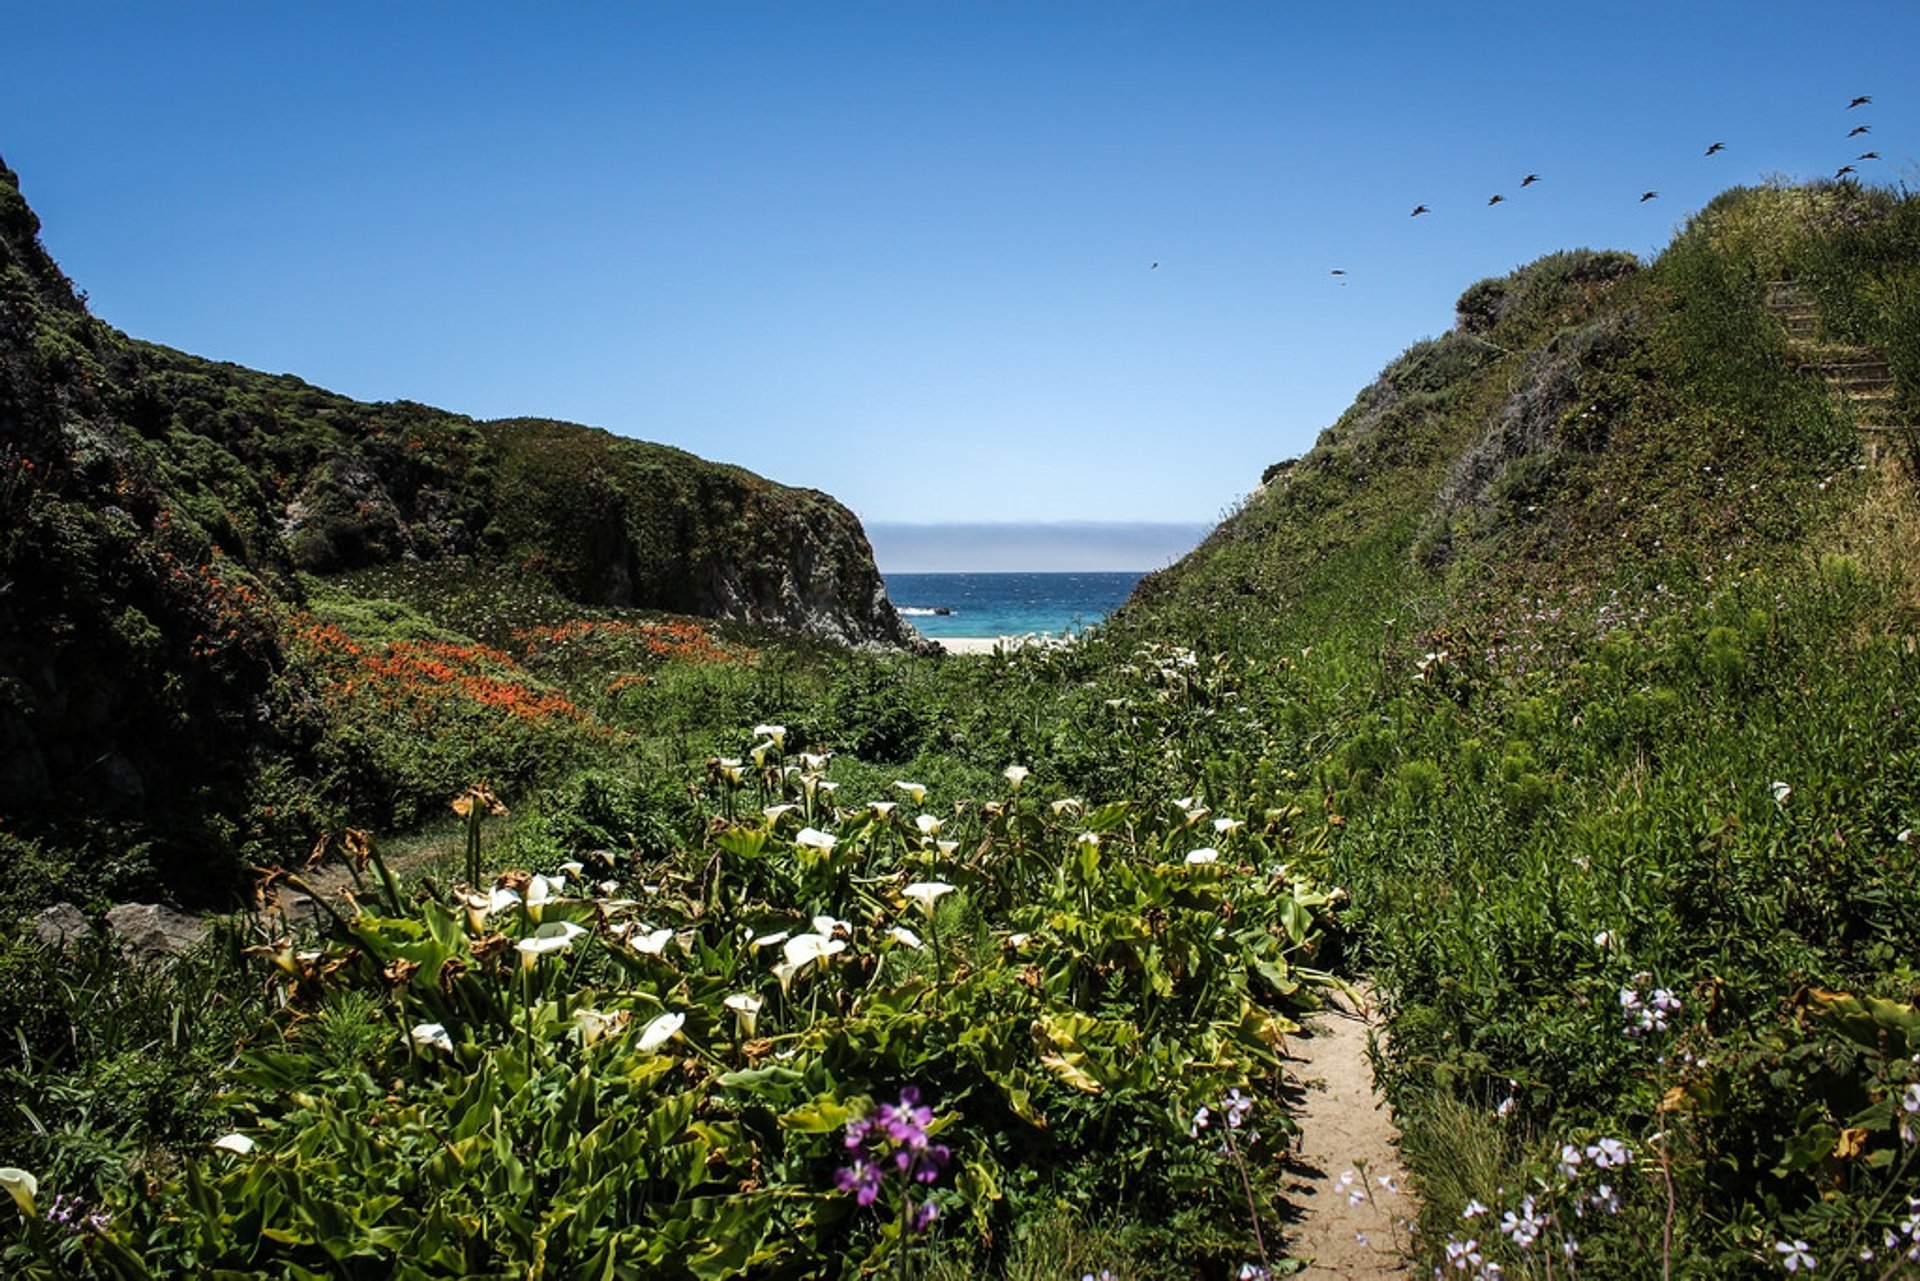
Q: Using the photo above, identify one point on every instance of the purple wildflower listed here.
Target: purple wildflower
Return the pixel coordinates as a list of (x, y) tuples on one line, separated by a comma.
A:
[(894, 1138), (862, 1178)]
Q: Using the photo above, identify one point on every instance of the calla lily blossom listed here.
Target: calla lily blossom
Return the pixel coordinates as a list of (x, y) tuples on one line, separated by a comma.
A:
[(927, 893), (432, 1036), (746, 1010), (555, 936), (916, 792), (594, 1024), (660, 1031), (801, 951), (23, 1187), (238, 1144)]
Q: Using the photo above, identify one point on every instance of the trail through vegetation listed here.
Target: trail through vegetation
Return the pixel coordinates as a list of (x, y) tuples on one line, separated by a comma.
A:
[(1346, 1180)]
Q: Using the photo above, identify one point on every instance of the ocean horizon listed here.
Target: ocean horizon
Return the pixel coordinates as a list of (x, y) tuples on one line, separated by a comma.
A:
[(954, 604)]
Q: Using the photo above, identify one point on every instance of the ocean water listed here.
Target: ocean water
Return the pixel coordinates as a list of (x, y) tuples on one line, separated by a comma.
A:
[(1006, 604)]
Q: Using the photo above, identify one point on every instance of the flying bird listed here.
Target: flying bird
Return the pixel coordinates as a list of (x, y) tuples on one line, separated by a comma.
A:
[(1496, 200), (1842, 171), (1647, 195), (1530, 179), (1420, 209), (1718, 146), (1154, 267), (1861, 101), (1857, 130), (1868, 155), (1339, 271)]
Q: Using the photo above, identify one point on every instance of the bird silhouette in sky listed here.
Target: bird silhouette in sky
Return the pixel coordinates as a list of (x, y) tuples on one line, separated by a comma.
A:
[(1420, 209), (1868, 155), (1648, 195), (1339, 271), (1842, 171), (1861, 101), (1716, 147), (1496, 200), (1530, 179), (1857, 130), (1154, 267)]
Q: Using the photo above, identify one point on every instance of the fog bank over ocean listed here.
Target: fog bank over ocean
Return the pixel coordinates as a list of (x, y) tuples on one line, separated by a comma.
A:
[(1032, 547)]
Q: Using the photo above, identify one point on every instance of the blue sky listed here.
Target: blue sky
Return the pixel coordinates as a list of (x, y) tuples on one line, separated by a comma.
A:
[(898, 251)]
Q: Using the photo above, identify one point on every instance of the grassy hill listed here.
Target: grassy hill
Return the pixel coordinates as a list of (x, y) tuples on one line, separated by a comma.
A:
[(1594, 627)]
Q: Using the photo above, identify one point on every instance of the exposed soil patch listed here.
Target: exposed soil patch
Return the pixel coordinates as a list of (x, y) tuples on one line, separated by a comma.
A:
[(1345, 1177)]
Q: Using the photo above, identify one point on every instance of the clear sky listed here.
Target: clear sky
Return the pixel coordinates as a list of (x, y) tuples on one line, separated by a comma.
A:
[(901, 251)]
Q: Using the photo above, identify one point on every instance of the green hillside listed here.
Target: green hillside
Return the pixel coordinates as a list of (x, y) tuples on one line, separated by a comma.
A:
[(1592, 632), (166, 519)]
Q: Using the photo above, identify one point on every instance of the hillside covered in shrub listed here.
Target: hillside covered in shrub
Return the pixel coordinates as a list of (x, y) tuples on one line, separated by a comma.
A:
[(165, 516)]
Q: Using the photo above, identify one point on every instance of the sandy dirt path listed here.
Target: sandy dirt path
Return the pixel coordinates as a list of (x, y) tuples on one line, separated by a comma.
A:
[(1350, 1222)]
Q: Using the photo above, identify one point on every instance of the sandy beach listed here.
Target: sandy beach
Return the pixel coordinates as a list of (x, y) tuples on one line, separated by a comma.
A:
[(967, 644), (983, 644)]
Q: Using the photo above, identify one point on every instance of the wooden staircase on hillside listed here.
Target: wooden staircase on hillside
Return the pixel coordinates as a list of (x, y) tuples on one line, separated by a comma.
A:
[(1858, 375)]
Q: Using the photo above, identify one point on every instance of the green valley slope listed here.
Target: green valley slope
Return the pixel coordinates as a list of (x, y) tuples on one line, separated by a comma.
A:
[(159, 513)]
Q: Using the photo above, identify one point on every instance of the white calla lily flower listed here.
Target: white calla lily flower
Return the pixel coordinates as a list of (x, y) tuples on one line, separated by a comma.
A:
[(746, 1010), (916, 792), (594, 1024), (826, 925), (23, 1187), (801, 951), (778, 733), (1227, 826), (946, 848), (499, 898), (927, 893), (432, 1036), (660, 1031), (1016, 775), (928, 825), (768, 940), (774, 813), (904, 936), (1203, 856), (554, 936), (573, 867), (238, 1144), (650, 942), (883, 808), (814, 839)]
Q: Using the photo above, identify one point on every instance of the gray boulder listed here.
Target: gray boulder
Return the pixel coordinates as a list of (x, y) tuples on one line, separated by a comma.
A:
[(152, 929), (60, 925)]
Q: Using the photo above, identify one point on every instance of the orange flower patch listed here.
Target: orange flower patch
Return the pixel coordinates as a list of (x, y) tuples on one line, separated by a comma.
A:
[(684, 641), (416, 677)]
